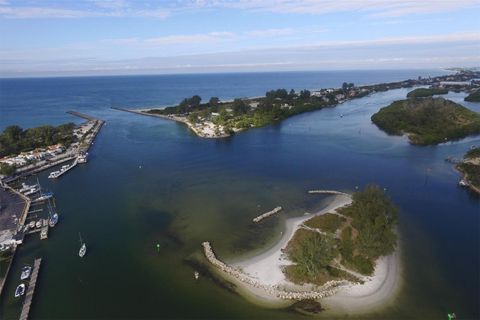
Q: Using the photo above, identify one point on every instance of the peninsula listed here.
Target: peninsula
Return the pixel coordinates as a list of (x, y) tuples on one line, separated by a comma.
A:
[(427, 121), (349, 246), (28, 151), (219, 119)]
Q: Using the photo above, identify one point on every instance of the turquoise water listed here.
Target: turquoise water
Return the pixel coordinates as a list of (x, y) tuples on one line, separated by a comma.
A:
[(152, 181)]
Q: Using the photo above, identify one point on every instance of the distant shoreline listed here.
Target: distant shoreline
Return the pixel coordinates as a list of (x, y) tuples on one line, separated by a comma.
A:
[(210, 125)]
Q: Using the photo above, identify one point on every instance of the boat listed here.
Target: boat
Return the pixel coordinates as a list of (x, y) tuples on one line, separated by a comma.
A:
[(196, 275), (44, 196), (39, 224), (44, 233), (82, 158), (82, 251), (25, 187), (53, 220), (32, 191), (20, 291), (26, 270), (83, 248), (463, 183), (31, 224), (54, 174)]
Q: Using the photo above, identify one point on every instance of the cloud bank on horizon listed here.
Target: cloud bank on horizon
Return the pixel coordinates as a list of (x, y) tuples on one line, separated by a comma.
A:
[(186, 36)]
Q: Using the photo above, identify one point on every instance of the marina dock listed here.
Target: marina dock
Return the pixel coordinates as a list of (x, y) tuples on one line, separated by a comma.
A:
[(31, 289)]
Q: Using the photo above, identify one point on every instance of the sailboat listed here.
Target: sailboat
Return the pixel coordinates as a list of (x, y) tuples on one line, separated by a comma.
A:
[(83, 247)]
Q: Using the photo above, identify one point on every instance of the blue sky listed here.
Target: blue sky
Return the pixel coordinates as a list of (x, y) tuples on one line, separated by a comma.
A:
[(63, 37)]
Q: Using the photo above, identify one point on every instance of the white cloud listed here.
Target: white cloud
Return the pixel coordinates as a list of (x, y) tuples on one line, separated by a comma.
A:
[(38, 12), (380, 8), (105, 8), (193, 38), (111, 4), (270, 32)]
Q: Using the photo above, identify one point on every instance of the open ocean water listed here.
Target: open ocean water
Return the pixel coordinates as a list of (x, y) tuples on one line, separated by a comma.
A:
[(151, 181)]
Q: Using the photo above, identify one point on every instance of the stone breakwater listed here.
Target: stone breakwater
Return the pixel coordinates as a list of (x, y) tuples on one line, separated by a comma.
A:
[(328, 192), (328, 289), (266, 214)]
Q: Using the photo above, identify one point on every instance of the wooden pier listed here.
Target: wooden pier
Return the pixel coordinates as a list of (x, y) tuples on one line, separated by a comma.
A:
[(30, 290)]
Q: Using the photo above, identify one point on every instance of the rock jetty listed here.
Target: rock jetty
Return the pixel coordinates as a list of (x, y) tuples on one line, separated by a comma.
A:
[(267, 214), (328, 289)]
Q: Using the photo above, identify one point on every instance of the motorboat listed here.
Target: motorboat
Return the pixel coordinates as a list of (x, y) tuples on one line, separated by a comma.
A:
[(32, 191), (82, 158), (26, 271), (20, 291), (83, 247), (26, 187), (82, 251), (54, 174), (44, 196), (53, 220)]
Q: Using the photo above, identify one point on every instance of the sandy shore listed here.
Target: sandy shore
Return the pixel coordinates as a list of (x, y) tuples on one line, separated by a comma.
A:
[(378, 290), (266, 268)]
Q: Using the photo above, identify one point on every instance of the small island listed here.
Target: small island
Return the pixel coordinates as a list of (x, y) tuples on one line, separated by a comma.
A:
[(426, 92), (345, 252), (427, 121), (470, 168), (474, 96)]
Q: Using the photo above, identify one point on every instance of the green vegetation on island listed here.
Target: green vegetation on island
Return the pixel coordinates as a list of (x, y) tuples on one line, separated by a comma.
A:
[(426, 92), (474, 96), (14, 139), (470, 167), (473, 153), (329, 222), (246, 113), (351, 239), (428, 120)]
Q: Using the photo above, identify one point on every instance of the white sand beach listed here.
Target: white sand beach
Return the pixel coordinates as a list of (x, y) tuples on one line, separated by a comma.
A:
[(267, 267), (377, 291)]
